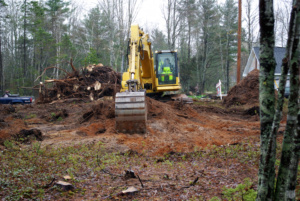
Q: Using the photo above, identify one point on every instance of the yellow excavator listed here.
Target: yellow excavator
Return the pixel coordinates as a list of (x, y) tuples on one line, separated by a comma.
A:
[(144, 76)]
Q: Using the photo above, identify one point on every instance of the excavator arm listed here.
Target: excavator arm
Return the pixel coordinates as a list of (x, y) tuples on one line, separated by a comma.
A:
[(140, 61), (130, 104), (141, 78)]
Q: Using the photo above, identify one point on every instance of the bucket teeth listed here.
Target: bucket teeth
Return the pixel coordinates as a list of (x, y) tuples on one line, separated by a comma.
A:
[(131, 112)]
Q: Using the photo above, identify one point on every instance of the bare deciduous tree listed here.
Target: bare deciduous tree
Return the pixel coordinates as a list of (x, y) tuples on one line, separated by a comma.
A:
[(282, 19), (2, 5), (172, 19), (287, 175), (251, 20)]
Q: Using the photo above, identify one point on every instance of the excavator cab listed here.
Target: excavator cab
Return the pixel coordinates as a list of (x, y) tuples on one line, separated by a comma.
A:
[(166, 67)]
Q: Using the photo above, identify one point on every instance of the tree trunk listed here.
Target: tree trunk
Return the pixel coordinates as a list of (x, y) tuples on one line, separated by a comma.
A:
[(189, 41), (292, 121), (221, 57), (198, 64), (266, 174), (227, 62), (174, 23), (287, 174), (24, 41), (1, 63), (168, 19), (204, 62)]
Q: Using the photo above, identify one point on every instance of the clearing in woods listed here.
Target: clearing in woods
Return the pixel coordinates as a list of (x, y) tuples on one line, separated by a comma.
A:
[(189, 151)]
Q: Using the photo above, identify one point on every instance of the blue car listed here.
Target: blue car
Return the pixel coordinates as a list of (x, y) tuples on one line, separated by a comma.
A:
[(16, 99)]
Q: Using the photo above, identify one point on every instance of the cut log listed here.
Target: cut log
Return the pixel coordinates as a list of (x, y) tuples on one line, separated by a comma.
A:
[(130, 190), (65, 185)]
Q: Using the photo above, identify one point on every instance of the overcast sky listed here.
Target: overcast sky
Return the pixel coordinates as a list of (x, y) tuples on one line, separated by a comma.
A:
[(150, 11)]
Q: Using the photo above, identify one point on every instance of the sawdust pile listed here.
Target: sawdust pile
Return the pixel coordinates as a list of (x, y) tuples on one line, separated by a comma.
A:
[(92, 82), (244, 93)]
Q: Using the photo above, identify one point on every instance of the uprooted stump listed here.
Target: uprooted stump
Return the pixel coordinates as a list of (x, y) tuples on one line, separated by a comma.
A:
[(26, 136), (92, 83)]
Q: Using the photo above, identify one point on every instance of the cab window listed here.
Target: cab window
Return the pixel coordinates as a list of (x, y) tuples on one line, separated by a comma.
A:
[(166, 68)]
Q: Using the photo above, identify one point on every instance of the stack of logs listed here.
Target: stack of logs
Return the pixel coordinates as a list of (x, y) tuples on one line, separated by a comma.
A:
[(91, 82)]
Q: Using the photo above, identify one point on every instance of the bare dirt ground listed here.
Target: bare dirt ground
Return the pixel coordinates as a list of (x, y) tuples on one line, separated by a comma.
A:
[(167, 162), (65, 115), (190, 151), (171, 126)]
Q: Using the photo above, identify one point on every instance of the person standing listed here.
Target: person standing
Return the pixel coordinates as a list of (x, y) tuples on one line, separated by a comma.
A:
[(6, 95)]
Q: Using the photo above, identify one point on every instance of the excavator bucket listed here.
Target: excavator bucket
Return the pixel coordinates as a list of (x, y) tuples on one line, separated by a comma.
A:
[(131, 112)]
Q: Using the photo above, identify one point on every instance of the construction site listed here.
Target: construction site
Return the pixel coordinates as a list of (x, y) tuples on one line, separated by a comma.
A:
[(79, 110)]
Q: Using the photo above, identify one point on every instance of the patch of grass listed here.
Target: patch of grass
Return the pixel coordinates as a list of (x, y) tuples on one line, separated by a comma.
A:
[(244, 152), (35, 166), (213, 103), (8, 144), (59, 119), (196, 97), (25, 172), (30, 116), (243, 191)]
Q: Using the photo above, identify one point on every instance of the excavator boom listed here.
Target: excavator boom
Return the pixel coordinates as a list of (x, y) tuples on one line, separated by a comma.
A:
[(141, 78)]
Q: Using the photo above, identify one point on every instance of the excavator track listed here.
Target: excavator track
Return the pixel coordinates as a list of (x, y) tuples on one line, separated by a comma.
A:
[(131, 112)]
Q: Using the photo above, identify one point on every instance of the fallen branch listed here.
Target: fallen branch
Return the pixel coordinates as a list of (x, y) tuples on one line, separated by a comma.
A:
[(140, 180), (50, 184), (182, 115), (63, 81), (29, 88), (71, 63), (192, 184), (69, 100), (87, 118)]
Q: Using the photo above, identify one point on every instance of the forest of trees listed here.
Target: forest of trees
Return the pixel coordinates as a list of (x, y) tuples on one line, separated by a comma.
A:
[(35, 35)]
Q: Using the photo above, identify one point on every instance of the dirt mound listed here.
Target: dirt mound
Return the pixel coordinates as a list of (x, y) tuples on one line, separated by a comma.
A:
[(100, 110), (6, 109), (244, 93), (177, 127), (94, 82), (26, 136), (10, 126)]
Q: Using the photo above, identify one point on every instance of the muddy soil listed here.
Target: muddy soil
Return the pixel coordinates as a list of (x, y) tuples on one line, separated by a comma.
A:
[(171, 126), (174, 130), (244, 93)]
